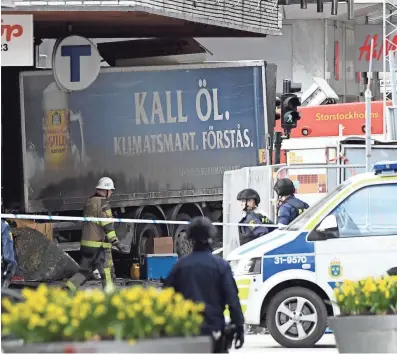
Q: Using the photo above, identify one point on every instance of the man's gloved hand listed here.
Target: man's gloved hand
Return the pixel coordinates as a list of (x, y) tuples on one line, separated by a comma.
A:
[(239, 338), (122, 248)]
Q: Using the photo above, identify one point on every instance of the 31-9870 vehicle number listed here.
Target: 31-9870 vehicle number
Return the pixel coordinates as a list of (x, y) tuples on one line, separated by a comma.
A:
[(290, 259)]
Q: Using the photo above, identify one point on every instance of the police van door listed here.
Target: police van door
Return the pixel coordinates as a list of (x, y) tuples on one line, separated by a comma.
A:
[(366, 241)]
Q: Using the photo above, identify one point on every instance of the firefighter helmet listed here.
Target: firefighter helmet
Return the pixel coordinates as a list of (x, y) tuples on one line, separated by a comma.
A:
[(105, 183), (284, 187), (247, 194)]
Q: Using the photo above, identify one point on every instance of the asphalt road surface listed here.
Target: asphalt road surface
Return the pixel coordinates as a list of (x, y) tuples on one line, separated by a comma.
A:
[(265, 344)]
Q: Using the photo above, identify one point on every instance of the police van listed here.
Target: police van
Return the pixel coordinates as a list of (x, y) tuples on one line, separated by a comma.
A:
[(286, 277)]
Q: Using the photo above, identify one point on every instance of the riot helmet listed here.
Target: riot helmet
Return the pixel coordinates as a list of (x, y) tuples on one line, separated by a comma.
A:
[(284, 187), (201, 231), (246, 195)]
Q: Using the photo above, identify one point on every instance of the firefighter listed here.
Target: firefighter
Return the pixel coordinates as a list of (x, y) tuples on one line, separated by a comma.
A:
[(8, 262), (207, 278), (250, 200), (289, 207), (97, 239)]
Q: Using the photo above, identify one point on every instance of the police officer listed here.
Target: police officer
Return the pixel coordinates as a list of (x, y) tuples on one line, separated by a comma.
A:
[(203, 277), (97, 239), (8, 262), (289, 207), (250, 200)]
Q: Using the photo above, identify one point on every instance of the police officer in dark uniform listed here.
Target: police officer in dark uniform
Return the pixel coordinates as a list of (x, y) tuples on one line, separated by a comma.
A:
[(250, 200), (8, 262), (203, 277), (289, 207)]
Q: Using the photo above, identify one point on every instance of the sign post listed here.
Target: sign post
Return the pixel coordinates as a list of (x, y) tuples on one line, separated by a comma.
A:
[(368, 96), (17, 47)]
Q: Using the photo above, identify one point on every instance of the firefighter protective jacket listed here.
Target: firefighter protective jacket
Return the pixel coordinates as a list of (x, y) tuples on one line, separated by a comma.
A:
[(98, 233)]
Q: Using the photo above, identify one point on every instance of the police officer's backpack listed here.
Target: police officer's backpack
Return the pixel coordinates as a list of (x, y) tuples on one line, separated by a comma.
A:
[(299, 205), (264, 219)]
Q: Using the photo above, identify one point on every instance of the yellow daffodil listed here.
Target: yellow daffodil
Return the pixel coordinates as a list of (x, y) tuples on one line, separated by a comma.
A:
[(116, 301), (121, 316), (34, 321), (53, 328), (55, 313), (99, 310), (6, 319)]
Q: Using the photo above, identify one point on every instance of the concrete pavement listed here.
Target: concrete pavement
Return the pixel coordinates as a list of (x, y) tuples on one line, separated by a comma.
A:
[(264, 344)]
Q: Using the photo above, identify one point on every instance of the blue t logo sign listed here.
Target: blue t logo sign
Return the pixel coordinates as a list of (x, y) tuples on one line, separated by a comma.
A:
[(75, 52)]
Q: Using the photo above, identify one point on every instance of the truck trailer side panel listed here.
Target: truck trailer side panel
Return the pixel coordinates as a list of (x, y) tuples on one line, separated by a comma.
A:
[(163, 134)]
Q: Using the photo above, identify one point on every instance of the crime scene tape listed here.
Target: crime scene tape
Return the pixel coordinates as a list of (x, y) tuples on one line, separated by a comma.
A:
[(119, 220)]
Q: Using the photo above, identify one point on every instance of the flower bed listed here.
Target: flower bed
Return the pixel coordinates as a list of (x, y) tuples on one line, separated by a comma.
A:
[(368, 296), (368, 319), (129, 314)]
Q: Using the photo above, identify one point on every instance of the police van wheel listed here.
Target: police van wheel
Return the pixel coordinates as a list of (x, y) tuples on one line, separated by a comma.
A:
[(296, 318)]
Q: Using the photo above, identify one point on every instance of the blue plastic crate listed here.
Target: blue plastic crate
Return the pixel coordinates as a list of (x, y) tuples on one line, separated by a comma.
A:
[(159, 265)]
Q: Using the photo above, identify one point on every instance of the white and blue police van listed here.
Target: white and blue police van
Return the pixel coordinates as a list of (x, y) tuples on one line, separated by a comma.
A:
[(286, 279)]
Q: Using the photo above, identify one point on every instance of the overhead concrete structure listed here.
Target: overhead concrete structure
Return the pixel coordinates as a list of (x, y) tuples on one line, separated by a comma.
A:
[(152, 18), (7, 4)]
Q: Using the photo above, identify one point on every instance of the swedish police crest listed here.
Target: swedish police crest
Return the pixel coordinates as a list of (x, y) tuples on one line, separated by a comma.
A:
[(335, 269)]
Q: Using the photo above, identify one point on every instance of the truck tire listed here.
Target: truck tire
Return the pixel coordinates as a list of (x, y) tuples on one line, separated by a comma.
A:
[(296, 329), (145, 232), (182, 245)]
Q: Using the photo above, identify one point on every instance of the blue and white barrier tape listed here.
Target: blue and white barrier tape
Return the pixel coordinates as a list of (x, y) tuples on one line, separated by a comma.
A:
[(119, 220)]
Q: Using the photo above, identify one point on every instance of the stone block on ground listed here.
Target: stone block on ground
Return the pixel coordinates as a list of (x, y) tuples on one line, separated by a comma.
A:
[(40, 258)]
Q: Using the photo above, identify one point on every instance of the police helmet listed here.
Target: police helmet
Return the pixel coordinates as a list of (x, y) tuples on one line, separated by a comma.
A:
[(247, 194), (284, 187), (201, 230)]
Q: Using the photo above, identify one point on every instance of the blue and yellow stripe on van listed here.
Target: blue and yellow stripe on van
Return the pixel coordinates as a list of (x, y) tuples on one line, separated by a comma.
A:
[(243, 286)]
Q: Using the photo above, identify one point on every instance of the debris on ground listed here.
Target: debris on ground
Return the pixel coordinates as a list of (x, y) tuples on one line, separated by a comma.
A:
[(40, 258)]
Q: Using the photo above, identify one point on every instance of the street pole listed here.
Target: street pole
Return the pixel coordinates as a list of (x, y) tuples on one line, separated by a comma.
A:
[(278, 139), (368, 128), (278, 136)]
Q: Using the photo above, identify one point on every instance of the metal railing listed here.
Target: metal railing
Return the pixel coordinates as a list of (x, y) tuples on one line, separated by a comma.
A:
[(281, 168)]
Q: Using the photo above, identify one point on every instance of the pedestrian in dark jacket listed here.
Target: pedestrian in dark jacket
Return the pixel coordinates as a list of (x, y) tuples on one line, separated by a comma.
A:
[(8, 262), (206, 278)]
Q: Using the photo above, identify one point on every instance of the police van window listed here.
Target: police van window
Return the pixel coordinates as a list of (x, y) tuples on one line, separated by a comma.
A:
[(302, 219), (368, 212)]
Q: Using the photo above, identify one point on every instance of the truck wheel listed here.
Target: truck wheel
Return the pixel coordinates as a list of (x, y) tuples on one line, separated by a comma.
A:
[(147, 232), (182, 245), (296, 318)]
